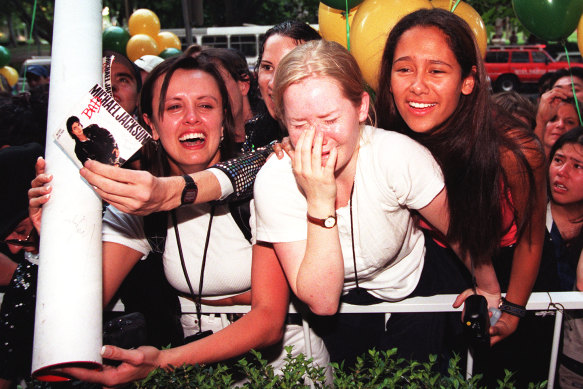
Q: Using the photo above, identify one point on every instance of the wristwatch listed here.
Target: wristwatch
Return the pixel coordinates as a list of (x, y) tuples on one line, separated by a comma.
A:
[(328, 222), (190, 190)]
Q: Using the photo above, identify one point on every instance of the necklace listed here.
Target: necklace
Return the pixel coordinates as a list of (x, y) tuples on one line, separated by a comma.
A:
[(197, 298)]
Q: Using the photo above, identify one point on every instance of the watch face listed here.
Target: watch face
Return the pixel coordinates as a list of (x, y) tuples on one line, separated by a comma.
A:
[(189, 195), (330, 222)]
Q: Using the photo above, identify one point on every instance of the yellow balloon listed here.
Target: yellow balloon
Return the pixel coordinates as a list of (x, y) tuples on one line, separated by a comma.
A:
[(10, 74), (371, 26), (332, 23), (167, 40), (139, 45), (144, 21), (580, 35), (472, 17)]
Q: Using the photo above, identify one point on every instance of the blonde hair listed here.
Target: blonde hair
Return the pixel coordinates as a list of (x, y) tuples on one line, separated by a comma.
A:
[(318, 59)]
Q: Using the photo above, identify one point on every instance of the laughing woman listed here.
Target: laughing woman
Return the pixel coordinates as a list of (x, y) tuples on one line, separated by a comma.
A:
[(433, 88), (185, 104)]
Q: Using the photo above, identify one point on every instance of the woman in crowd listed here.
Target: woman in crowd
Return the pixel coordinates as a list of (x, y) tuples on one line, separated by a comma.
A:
[(564, 225), (565, 207), (19, 240), (433, 88), (184, 103), (141, 193), (562, 84), (346, 232), (564, 119)]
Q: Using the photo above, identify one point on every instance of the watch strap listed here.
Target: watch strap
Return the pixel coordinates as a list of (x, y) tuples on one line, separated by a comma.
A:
[(511, 308), (327, 222)]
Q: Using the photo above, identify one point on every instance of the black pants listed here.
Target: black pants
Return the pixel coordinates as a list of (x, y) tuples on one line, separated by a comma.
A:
[(415, 335)]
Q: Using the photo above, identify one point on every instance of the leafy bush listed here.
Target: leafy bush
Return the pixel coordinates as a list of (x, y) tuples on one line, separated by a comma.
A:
[(377, 369)]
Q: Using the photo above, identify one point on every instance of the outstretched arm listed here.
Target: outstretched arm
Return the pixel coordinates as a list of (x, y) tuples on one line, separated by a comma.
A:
[(261, 327), (436, 213), (528, 250), (140, 193)]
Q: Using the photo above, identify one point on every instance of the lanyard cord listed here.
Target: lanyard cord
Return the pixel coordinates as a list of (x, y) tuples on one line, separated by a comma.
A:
[(197, 298), (352, 237)]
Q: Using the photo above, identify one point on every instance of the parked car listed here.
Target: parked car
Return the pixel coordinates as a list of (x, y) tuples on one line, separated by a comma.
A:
[(510, 66), (574, 56)]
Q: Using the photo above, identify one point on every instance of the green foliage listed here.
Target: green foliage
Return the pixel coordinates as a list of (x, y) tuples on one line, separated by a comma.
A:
[(297, 372), (490, 10), (377, 369)]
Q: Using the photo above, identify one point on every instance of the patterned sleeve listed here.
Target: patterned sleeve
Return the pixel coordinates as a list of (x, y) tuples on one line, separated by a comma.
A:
[(243, 170)]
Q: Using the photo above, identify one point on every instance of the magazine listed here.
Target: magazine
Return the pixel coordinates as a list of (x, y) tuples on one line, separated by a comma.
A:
[(101, 130)]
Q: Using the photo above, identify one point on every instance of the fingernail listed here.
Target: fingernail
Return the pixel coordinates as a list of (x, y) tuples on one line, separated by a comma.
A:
[(105, 351)]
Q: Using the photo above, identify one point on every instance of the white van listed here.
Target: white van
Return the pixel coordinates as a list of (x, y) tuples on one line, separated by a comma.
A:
[(246, 39)]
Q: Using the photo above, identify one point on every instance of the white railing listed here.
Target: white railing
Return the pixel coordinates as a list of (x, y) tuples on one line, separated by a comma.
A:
[(539, 301)]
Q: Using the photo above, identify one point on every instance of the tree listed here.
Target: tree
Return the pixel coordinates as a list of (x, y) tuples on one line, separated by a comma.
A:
[(22, 9)]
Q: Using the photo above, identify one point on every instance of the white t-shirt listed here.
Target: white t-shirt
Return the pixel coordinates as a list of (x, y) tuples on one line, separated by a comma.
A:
[(228, 265), (228, 262), (393, 174)]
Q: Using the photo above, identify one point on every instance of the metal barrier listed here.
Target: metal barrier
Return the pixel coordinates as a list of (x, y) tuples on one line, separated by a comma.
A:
[(539, 301)]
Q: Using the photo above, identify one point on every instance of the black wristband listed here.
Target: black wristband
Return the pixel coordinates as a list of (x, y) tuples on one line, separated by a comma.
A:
[(511, 308), (190, 190)]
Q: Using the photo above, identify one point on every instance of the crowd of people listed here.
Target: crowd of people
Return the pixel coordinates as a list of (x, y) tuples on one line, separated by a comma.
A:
[(431, 185)]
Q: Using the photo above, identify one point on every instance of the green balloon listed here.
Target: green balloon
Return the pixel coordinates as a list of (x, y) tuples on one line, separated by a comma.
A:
[(169, 52), (115, 39), (551, 20), (4, 56), (341, 4)]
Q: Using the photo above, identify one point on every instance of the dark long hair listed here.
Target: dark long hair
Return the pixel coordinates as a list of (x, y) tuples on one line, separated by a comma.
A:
[(154, 157), (234, 62), (300, 32), (468, 144)]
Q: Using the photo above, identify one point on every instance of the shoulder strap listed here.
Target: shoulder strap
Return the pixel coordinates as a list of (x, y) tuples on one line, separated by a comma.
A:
[(241, 212)]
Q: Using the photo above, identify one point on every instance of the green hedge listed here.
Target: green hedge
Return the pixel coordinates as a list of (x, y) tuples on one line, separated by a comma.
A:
[(377, 369)]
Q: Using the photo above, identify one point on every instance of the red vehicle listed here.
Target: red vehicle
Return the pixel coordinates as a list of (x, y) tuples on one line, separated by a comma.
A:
[(510, 66)]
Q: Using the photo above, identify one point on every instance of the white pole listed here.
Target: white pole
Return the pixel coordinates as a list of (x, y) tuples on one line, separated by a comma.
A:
[(68, 324)]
